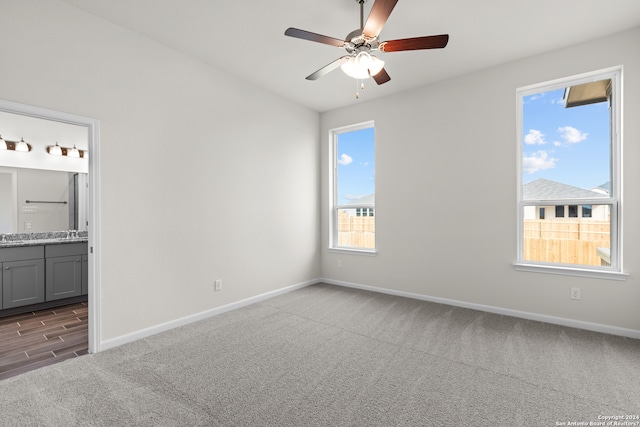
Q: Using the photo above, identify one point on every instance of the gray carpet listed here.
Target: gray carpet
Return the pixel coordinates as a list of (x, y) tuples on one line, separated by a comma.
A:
[(332, 356)]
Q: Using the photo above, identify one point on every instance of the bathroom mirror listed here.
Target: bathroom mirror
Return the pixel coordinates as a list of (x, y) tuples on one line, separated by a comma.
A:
[(36, 200)]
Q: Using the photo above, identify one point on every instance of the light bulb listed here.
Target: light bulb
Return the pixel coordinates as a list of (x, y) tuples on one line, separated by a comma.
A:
[(55, 150), (22, 146), (73, 152), (352, 69), (363, 60), (376, 65)]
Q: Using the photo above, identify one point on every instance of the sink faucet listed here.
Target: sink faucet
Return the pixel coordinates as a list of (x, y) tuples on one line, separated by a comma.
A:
[(4, 238)]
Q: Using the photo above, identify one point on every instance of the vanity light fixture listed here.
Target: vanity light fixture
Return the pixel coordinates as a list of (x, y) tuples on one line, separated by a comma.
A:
[(22, 146), (57, 150)]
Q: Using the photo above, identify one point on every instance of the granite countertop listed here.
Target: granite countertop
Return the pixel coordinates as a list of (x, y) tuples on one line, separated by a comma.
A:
[(36, 239)]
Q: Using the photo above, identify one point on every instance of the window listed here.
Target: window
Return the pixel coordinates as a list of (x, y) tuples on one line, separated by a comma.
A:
[(353, 189), (364, 211), (573, 211), (568, 160)]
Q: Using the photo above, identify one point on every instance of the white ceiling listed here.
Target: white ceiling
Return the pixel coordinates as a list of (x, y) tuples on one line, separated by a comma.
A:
[(246, 38)]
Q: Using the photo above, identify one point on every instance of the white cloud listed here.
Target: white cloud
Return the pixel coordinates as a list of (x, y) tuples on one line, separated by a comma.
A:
[(572, 135), (539, 160), (535, 97), (345, 159), (534, 137), (353, 196)]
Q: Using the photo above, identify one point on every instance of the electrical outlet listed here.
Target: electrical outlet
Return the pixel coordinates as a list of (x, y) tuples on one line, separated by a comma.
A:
[(218, 285), (575, 293), (339, 263)]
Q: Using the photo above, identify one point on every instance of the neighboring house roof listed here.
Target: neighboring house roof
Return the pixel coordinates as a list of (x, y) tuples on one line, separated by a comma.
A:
[(368, 201), (604, 187), (544, 189)]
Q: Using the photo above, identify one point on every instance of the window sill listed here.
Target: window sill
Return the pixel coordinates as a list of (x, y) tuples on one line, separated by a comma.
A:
[(569, 271), (365, 252)]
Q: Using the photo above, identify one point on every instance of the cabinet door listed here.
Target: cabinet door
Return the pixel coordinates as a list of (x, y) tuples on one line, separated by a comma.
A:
[(64, 277), (22, 283), (85, 274)]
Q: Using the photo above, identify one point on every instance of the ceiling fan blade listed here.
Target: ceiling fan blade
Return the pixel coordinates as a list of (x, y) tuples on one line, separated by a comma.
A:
[(306, 35), (382, 77), (415, 43), (328, 68), (378, 16)]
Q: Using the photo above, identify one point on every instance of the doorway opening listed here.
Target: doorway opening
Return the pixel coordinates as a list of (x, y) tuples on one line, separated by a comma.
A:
[(38, 158)]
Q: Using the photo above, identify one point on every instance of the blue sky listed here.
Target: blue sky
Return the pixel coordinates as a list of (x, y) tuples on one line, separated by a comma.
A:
[(356, 167), (568, 145)]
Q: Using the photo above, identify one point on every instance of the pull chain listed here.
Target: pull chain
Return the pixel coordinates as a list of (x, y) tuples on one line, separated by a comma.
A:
[(361, 85)]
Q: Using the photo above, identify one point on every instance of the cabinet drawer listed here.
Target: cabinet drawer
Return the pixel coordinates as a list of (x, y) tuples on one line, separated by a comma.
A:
[(21, 253), (65, 249)]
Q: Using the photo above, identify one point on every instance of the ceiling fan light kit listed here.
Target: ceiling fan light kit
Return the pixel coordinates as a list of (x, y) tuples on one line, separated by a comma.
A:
[(362, 66), (359, 63)]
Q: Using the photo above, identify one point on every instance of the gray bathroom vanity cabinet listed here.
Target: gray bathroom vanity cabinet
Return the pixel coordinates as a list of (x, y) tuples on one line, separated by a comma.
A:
[(42, 273)]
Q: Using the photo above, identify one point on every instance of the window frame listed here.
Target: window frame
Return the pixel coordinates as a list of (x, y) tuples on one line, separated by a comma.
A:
[(615, 270), (333, 189)]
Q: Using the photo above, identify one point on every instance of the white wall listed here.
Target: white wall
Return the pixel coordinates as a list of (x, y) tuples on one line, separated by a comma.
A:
[(203, 176), (447, 152)]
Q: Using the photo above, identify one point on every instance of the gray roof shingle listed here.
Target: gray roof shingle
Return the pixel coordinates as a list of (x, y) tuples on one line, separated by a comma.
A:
[(364, 201), (544, 189)]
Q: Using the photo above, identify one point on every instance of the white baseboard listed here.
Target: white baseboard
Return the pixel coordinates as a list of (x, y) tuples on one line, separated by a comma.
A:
[(595, 327), (134, 336)]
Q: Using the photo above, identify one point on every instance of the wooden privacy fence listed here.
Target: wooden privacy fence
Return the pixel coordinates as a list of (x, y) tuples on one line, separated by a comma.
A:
[(356, 231), (561, 241), (565, 241), (597, 231)]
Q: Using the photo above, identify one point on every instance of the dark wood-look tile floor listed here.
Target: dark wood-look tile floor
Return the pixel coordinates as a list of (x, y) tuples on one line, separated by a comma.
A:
[(32, 340)]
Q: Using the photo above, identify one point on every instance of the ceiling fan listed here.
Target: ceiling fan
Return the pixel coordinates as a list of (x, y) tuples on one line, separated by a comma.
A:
[(359, 63)]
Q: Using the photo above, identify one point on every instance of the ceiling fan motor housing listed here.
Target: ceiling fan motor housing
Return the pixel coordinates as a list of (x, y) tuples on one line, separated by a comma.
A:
[(358, 42)]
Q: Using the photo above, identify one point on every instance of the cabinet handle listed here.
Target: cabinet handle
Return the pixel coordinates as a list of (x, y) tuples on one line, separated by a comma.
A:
[(77, 260), (7, 268)]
